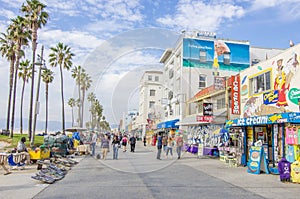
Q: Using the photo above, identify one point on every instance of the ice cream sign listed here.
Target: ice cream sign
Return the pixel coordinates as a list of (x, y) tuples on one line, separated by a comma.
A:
[(252, 121), (294, 95)]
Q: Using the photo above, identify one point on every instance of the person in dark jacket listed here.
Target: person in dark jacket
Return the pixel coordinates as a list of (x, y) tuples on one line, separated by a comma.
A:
[(116, 145), (159, 146), (132, 141)]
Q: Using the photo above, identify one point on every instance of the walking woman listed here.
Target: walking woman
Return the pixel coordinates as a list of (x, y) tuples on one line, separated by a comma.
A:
[(116, 145), (104, 146), (124, 143), (170, 145)]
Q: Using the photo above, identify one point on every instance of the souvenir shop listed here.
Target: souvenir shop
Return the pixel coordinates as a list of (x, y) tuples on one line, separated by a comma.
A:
[(277, 134)]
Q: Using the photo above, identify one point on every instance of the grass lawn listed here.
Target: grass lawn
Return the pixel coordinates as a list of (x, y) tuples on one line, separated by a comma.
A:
[(38, 140)]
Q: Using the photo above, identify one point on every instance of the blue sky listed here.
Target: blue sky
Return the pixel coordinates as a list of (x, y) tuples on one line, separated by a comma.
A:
[(87, 25)]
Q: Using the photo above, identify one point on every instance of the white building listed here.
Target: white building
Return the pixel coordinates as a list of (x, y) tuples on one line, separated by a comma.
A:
[(194, 62), (150, 100)]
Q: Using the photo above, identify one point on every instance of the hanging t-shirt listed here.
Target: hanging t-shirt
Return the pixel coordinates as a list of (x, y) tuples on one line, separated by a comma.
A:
[(289, 135), (296, 152), (295, 132), (290, 156), (298, 135)]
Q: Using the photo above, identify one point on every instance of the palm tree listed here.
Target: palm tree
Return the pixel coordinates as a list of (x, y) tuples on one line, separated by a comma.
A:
[(20, 35), (48, 77), (91, 98), (77, 72), (36, 17), (24, 74), (85, 85), (71, 103), (7, 50), (61, 55)]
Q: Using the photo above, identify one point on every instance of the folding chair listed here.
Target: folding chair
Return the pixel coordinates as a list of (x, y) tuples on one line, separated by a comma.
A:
[(13, 164)]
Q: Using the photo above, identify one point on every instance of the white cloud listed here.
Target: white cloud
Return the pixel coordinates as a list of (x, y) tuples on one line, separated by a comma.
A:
[(7, 13), (193, 15)]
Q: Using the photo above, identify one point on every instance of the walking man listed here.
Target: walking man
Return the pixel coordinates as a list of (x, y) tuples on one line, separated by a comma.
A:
[(93, 143), (132, 143), (159, 146), (179, 144)]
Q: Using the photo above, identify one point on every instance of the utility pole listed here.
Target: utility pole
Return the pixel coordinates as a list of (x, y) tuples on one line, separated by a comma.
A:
[(36, 109)]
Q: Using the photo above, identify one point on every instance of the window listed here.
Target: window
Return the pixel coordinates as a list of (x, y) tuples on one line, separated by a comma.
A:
[(149, 77), (156, 78), (152, 92), (202, 81), (151, 104), (171, 73), (260, 83), (221, 103)]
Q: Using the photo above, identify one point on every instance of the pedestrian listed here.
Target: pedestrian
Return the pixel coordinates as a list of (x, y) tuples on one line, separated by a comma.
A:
[(159, 146), (104, 146), (124, 143), (132, 141), (21, 148), (144, 140), (170, 145), (93, 143), (165, 142), (179, 144), (116, 145)]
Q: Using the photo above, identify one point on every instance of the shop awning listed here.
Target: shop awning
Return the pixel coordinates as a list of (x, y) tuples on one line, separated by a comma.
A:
[(171, 124)]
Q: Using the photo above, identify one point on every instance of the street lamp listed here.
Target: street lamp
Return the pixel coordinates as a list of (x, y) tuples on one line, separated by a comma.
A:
[(40, 63)]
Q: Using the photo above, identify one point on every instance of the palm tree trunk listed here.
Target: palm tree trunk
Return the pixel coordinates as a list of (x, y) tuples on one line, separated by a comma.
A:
[(80, 103), (62, 99), (15, 92), (21, 107), (11, 80), (82, 106), (46, 123), (72, 116), (34, 44)]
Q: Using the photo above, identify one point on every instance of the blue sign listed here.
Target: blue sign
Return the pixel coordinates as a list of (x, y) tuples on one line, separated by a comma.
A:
[(257, 161), (271, 97)]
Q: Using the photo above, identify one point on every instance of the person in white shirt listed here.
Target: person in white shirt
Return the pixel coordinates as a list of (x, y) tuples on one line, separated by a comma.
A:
[(93, 143)]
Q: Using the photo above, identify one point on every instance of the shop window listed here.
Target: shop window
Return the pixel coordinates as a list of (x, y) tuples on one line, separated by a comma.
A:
[(260, 83), (202, 81)]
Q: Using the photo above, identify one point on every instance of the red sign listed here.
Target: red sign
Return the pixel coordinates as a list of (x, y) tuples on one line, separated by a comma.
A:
[(207, 119), (235, 95)]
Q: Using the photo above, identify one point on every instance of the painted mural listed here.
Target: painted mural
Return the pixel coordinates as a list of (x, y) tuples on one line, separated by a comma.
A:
[(216, 54), (272, 86)]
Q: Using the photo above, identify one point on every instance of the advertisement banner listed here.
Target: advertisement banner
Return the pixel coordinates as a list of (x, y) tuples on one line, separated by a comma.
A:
[(224, 55), (235, 95), (219, 83), (207, 109)]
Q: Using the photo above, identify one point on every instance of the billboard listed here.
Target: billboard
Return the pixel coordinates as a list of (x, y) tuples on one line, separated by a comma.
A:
[(223, 55)]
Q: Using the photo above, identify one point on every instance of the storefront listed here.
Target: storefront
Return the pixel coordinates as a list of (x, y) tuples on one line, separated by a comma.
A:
[(278, 134)]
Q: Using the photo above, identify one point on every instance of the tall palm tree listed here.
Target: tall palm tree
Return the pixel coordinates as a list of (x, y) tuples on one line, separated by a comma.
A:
[(7, 50), (36, 17), (61, 55), (77, 72), (91, 98), (20, 34), (24, 74), (86, 82), (71, 103), (47, 77)]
